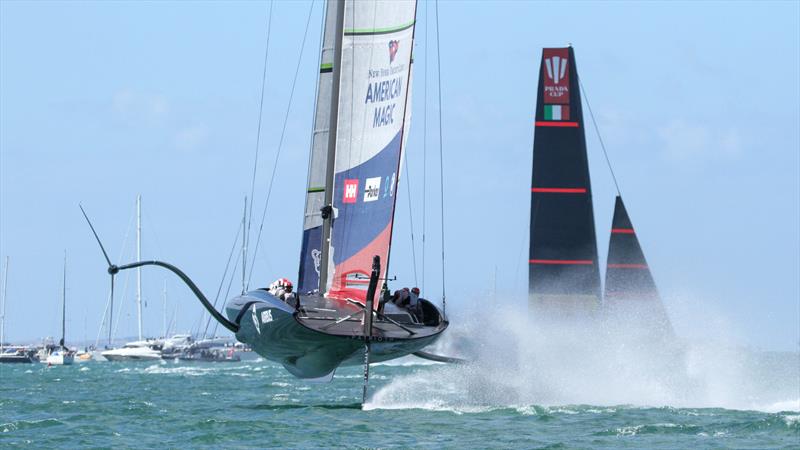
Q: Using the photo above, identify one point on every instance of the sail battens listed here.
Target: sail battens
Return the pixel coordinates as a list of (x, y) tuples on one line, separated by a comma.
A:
[(623, 231), (544, 123), (316, 189), (627, 266), (376, 31), (559, 190), (583, 262)]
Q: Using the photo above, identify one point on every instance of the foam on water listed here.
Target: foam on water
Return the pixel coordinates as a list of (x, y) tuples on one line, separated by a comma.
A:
[(437, 406), (513, 363), (407, 361)]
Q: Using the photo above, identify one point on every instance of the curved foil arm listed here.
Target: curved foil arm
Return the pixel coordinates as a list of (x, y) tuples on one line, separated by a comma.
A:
[(185, 278)]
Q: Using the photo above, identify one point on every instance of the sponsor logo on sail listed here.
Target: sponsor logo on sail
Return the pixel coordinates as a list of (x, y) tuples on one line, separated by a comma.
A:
[(394, 45), (555, 72), (350, 191), (372, 189), (316, 255), (556, 68), (388, 189)]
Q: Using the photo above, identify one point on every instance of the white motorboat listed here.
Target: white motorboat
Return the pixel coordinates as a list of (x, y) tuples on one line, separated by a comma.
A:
[(147, 350), (174, 346)]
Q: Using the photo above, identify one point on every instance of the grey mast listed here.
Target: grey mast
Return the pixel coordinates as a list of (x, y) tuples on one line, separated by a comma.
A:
[(3, 308), (328, 213), (64, 303)]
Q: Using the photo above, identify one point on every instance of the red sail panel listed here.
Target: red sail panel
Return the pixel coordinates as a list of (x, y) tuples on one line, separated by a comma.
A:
[(555, 76), (564, 278)]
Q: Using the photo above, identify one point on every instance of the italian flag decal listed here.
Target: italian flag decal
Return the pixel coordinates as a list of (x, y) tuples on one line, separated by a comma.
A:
[(556, 112)]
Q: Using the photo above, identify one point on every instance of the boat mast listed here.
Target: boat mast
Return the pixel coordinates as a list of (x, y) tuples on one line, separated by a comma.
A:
[(139, 259), (111, 311), (64, 302), (244, 247), (165, 310), (327, 214), (3, 309)]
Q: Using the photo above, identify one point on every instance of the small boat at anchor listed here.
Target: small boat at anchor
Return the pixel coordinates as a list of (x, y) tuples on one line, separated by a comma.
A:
[(11, 354), (60, 355)]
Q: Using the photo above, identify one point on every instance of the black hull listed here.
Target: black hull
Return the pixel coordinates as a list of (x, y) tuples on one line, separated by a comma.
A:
[(15, 359), (310, 343)]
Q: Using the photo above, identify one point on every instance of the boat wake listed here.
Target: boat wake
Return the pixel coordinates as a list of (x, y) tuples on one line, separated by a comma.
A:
[(515, 365)]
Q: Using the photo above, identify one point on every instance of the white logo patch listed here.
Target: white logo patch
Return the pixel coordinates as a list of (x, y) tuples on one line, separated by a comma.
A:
[(266, 316), (255, 320), (372, 189), (317, 256), (556, 68)]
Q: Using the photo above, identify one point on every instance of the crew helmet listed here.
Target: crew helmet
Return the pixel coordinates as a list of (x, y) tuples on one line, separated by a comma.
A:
[(281, 283)]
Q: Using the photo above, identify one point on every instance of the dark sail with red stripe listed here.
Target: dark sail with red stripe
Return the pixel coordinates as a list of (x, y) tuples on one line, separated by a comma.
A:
[(630, 292), (564, 279)]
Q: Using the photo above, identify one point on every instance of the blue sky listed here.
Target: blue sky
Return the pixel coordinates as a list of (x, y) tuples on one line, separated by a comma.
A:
[(698, 104)]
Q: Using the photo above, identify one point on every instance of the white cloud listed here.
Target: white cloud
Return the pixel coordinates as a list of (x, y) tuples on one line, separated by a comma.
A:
[(686, 142), (140, 106), (190, 138)]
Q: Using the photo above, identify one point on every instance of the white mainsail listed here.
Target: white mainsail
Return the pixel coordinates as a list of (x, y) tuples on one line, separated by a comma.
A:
[(370, 118)]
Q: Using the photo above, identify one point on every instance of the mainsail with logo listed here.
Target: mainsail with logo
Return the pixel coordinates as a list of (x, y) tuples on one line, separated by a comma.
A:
[(630, 291), (354, 169), (564, 279)]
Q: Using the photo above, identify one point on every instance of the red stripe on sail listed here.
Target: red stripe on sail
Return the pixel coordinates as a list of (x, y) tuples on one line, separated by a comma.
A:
[(627, 266), (560, 190), (556, 124), (561, 261), (623, 230)]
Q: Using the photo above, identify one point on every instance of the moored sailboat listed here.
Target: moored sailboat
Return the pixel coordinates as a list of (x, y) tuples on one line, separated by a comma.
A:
[(11, 354), (142, 349), (61, 355)]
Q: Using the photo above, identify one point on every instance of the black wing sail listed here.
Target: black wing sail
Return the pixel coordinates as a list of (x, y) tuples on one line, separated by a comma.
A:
[(630, 293), (564, 278)]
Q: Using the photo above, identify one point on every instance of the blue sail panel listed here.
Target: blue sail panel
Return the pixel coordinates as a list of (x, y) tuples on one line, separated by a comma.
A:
[(363, 218), (310, 259)]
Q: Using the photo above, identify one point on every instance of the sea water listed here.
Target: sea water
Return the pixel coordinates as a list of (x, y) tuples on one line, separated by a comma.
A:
[(412, 404), (577, 387)]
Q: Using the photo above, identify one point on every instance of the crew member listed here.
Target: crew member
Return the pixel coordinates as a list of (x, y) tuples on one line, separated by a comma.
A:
[(400, 297), (414, 305), (282, 288)]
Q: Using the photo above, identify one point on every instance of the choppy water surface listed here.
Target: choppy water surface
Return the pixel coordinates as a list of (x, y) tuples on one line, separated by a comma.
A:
[(412, 405)]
